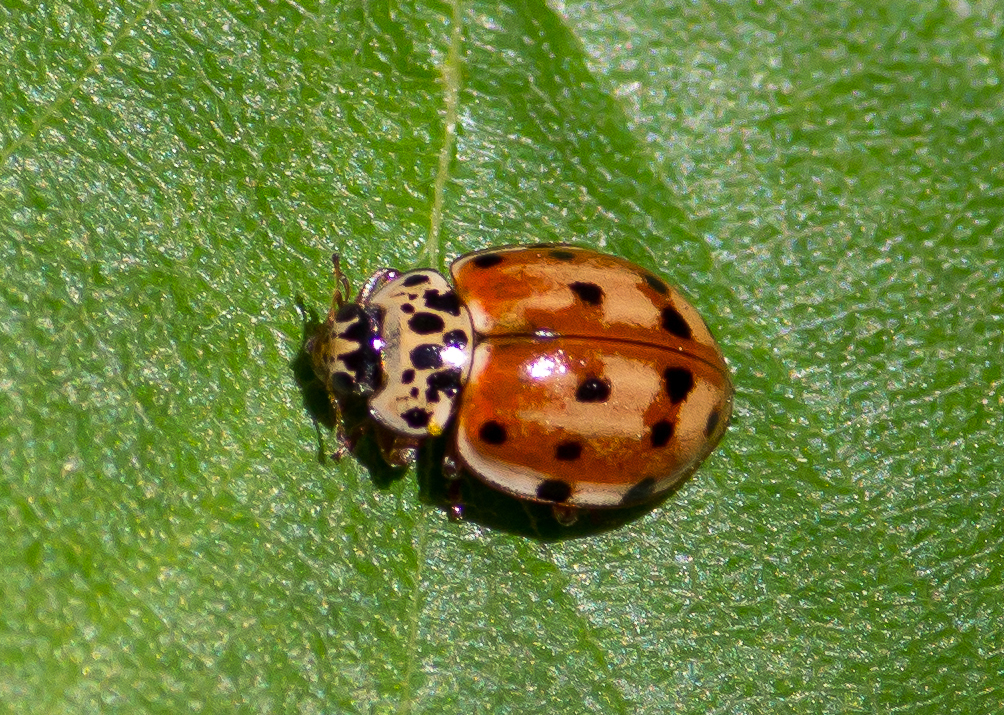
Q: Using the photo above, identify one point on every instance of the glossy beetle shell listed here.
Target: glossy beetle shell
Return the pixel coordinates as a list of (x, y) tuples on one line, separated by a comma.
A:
[(594, 383), (562, 375)]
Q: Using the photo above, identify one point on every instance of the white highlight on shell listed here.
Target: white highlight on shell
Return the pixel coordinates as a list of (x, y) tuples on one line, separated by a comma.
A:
[(452, 355), (545, 366), (632, 383)]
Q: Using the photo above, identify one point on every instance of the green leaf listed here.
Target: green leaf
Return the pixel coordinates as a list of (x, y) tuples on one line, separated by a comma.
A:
[(825, 180)]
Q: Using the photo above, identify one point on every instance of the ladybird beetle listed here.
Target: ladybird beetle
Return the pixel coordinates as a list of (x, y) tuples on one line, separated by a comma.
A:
[(561, 375)]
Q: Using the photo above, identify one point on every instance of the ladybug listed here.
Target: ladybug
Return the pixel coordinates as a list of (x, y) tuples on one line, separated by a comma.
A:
[(560, 375)]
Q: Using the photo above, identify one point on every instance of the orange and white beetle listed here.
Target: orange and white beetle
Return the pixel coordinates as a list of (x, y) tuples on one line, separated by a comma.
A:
[(559, 374)]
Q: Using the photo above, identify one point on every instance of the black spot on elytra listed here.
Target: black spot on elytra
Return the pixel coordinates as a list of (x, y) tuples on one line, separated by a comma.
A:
[(712, 422), (640, 492), (415, 280), (426, 323), (416, 417), (662, 432), (568, 451), (349, 311), (593, 390), (413, 392), (447, 302), (656, 284), (407, 376), (455, 339), (412, 296), (487, 260), (408, 308), (426, 357), (561, 255), (673, 323), (679, 382), (444, 381), (492, 432), (588, 293), (554, 490)]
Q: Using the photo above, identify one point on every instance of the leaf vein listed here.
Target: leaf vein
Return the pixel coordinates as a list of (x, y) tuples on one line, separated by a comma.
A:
[(451, 78), (64, 96)]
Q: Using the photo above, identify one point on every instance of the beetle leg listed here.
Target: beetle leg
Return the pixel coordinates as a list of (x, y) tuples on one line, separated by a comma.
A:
[(565, 515), (397, 450), (452, 473)]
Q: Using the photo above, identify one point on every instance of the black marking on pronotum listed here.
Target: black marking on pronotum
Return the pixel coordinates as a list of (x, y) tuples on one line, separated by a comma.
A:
[(662, 432), (363, 363), (415, 280), (679, 382), (492, 432), (455, 339), (561, 255), (407, 376), (342, 383), (349, 311), (487, 260), (656, 284), (445, 381), (712, 422), (568, 451), (426, 323), (416, 417), (426, 357), (354, 360), (674, 323), (407, 308), (554, 490), (588, 293), (357, 331), (639, 492), (447, 302), (593, 390)]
